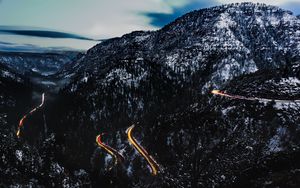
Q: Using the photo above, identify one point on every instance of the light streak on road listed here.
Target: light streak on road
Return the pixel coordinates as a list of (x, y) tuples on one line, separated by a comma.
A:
[(153, 164), (21, 122), (114, 153), (222, 93)]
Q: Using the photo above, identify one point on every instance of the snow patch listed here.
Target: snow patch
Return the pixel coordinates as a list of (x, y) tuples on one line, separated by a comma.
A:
[(56, 168), (107, 159), (80, 172), (125, 77), (141, 38), (273, 20), (290, 81), (49, 83), (172, 60), (19, 155), (225, 21), (129, 170), (286, 105), (274, 144)]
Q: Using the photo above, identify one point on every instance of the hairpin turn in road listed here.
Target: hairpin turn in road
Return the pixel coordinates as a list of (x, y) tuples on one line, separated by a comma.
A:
[(114, 153), (153, 164)]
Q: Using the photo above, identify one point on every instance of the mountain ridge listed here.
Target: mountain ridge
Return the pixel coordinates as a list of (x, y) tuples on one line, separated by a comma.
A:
[(161, 81), (203, 39)]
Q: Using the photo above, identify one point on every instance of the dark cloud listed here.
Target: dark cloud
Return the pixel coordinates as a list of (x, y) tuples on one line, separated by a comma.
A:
[(40, 33), (161, 19)]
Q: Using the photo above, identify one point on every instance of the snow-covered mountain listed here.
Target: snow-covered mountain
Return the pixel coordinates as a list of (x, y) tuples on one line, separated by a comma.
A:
[(203, 50), (160, 81), (224, 42)]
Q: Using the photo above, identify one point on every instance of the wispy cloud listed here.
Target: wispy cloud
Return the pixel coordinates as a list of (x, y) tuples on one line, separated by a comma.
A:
[(71, 20), (40, 33)]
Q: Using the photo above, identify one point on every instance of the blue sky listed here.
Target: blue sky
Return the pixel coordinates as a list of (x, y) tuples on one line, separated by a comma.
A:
[(97, 19)]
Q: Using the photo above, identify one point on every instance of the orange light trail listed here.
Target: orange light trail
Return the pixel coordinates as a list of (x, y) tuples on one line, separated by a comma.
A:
[(153, 164), (114, 153), (221, 93), (21, 122)]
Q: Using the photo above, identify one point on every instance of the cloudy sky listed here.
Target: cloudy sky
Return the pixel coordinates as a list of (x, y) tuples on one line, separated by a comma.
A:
[(72, 23)]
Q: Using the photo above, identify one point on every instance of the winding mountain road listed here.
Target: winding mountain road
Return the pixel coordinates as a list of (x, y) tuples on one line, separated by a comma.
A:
[(153, 164), (114, 153), (21, 122), (222, 93)]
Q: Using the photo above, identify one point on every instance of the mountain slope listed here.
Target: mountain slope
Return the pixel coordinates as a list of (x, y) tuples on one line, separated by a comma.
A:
[(161, 81), (23, 164), (227, 41)]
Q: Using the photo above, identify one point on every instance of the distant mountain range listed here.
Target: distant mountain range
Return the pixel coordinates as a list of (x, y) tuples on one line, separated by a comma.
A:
[(14, 47)]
